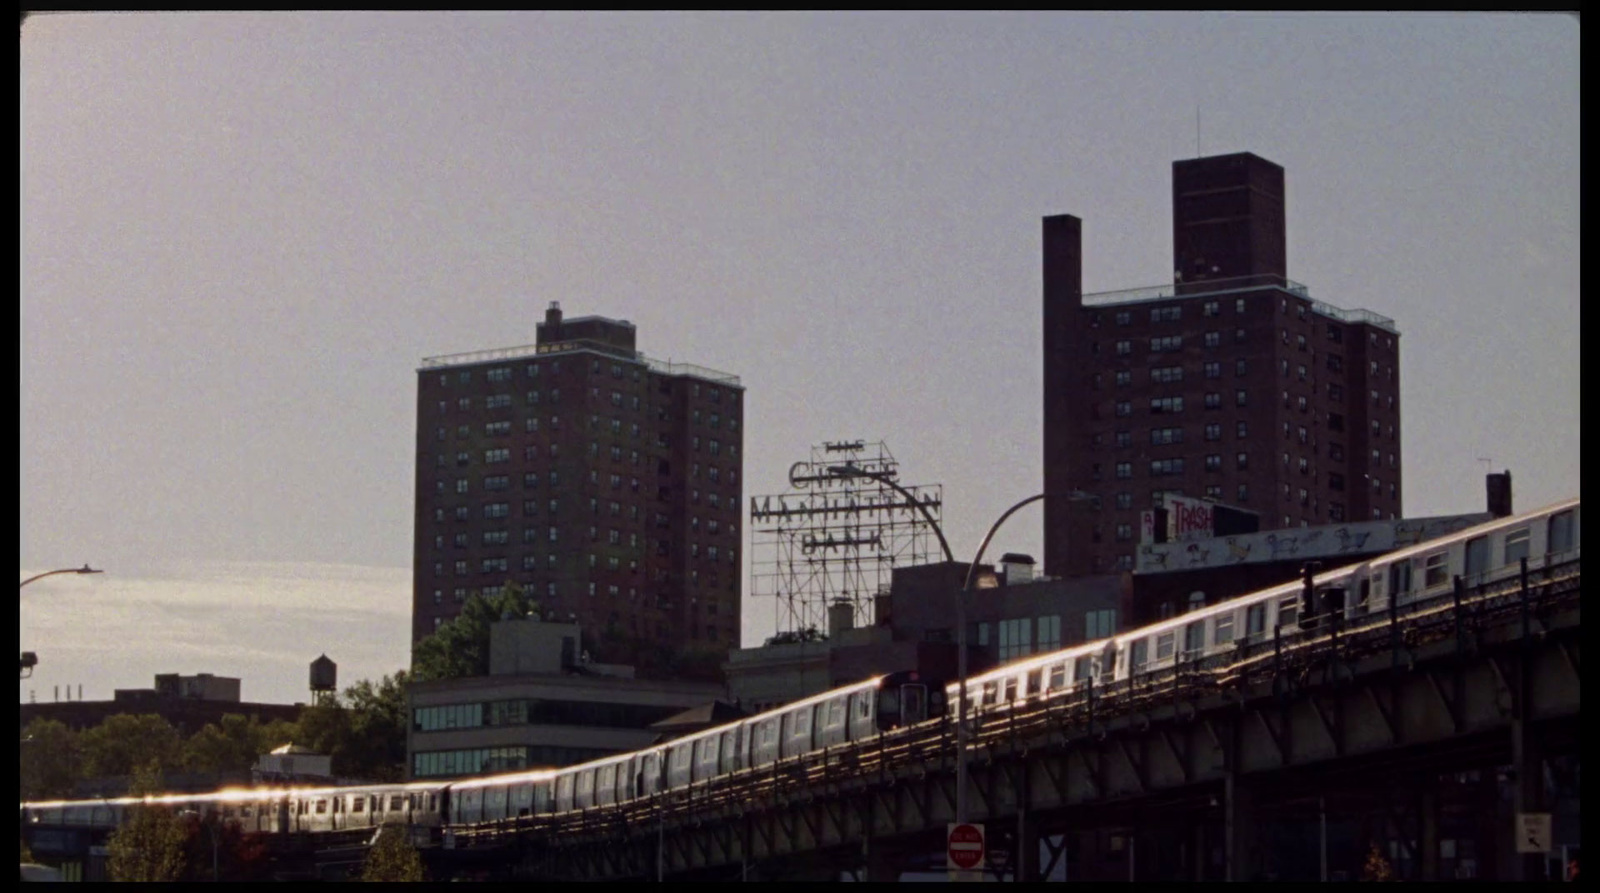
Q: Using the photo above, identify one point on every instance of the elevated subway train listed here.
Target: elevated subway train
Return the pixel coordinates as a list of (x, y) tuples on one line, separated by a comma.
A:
[(1484, 554), (1487, 553), (844, 714)]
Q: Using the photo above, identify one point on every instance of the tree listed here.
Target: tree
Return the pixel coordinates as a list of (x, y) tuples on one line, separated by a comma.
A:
[(461, 647), (791, 637), (378, 722), (393, 858), (50, 760), (123, 743), (231, 746), (150, 844)]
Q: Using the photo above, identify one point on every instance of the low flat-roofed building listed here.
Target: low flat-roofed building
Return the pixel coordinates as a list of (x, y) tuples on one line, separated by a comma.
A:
[(187, 702), (542, 705)]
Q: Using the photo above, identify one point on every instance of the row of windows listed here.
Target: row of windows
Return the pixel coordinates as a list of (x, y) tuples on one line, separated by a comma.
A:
[(441, 763), (530, 562), (531, 425), (536, 711), (1170, 313), (1015, 638), (1174, 405), (1160, 436), (501, 374), (530, 508)]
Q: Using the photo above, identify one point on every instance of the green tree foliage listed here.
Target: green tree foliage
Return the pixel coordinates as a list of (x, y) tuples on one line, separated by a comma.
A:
[(378, 724), (151, 842), (363, 729), (50, 761), (809, 634), (212, 843), (231, 746), (123, 743), (393, 858), (460, 648)]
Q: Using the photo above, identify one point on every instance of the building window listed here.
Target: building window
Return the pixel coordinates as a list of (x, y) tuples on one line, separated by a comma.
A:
[(1124, 317), (1166, 405), (1241, 367), (1166, 344), (1124, 439), (1213, 431), (1213, 401), (1124, 470), (1124, 408), (1244, 493), (1243, 460), (1124, 377), (1209, 308), (1214, 462), (1166, 374), (1124, 500), (1213, 370), (1242, 430), (1124, 532), (1166, 314), (1100, 624), (1160, 436), (1124, 348), (1049, 632), (1166, 466), (1213, 339), (1239, 398)]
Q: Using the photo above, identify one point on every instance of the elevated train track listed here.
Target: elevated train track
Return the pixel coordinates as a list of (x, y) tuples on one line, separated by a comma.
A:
[(1449, 673)]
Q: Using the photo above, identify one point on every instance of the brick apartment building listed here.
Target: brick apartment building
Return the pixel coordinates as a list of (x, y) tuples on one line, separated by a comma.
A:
[(604, 482), (1231, 384)]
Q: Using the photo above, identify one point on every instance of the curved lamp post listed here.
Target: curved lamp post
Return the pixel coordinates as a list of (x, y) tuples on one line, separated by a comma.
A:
[(86, 569), (29, 659), (848, 471)]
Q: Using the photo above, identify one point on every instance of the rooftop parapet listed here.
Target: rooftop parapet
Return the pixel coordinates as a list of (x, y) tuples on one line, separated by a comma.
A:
[(1213, 287), (660, 367)]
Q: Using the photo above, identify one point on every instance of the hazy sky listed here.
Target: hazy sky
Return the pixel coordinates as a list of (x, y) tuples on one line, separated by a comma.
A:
[(242, 233)]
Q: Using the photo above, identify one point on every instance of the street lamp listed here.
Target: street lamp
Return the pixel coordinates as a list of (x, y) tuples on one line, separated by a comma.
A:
[(86, 569), (29, 659), (848, 471), (961, 648)]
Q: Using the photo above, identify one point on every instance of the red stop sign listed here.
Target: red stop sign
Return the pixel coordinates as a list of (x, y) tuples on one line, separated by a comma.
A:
[(965, 847)]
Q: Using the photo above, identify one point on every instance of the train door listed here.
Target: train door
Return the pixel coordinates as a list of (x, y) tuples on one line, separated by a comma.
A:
[(730, 750), (1477, 559), (913, 703), (1400, 581), (652, 771), (520, 800), (1561, 533)]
